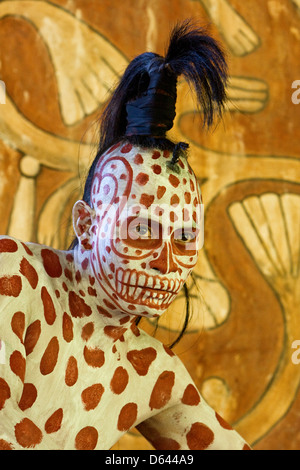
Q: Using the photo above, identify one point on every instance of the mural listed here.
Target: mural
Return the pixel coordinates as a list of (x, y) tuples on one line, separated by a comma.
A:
[(59, 60)]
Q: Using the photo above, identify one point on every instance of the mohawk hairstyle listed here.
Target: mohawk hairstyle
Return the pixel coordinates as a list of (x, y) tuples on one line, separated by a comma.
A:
[(192, 53)]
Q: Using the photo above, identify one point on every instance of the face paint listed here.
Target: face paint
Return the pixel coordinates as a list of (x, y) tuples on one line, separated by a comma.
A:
[(147, 229)]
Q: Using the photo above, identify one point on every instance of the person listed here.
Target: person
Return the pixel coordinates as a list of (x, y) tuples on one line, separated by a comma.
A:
[(79, 373)]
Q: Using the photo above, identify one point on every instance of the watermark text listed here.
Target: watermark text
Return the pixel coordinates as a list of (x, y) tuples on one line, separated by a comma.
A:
[(2, 92), (2, 352), (296, 94)]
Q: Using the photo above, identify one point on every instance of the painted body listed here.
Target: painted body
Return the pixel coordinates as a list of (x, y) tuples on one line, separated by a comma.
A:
[(79, 373)]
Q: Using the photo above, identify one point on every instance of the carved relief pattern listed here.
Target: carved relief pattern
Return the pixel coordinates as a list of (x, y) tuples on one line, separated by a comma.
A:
[(59, 61)]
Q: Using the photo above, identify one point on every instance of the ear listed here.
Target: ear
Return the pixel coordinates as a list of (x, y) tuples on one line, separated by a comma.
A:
[(83, 217)]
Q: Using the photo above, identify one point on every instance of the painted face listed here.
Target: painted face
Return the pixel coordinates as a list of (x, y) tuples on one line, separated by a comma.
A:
[(147, 230)]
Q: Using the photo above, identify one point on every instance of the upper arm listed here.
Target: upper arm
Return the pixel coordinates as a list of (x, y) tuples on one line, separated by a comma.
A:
[(13, 320), (187, 422), (190, 427)]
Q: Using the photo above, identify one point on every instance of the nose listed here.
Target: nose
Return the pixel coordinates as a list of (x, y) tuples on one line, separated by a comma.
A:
[(165, 262)]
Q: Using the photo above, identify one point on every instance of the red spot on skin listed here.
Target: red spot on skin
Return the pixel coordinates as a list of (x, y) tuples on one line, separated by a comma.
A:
[(191, 396), (28, 435), (91, 396), (112, 267), (29, 272), (86, 439), (223, 423), (106, 189), (32, 335), (187, 197), (8, 246), (168, 351), (87, 331), (4, 445), (18, 364), (192, 186), (94, 357), (28, 251), (142, 359), (119, 381), (174, 200), (127, 416), (49, 359), (162, 390), (4, 392), (71, 375), (51, 263), (109, 304), (166, 153), (146, 200), (68, 274), (142, 179), (199, 437), (53, 424), (160, 191), (78, 307), (135, 329), (156, 169), (156, 155), (174, 181), (173, 217), (18, 325), (158, 211), (104, 312), (28, 397), (10, 286), (92, 291), (70, 258), (180, 163), (114, 332), (127, 148), (49, 310), (163, 443), (114, 147), (67, 328), (85, 264), (138, 159)]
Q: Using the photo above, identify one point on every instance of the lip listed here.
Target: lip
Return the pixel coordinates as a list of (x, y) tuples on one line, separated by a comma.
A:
[(161, 291), (136, 279)]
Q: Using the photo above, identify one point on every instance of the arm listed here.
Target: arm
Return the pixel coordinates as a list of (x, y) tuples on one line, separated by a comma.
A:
[(17, 430), (191, 426)]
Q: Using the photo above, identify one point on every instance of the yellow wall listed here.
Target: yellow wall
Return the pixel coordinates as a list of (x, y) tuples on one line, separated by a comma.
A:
[(58, 61)]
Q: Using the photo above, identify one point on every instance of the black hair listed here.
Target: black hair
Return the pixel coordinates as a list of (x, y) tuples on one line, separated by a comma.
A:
[(192, 53), (142, 107)]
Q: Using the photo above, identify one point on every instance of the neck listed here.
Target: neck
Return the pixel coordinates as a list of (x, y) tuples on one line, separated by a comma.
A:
[(115, 322)]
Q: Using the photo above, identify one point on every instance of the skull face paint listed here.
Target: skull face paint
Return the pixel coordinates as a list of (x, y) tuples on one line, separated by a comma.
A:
[(147, 229)]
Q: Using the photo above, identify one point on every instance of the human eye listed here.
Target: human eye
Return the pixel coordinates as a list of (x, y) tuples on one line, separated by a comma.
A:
[(139, 230), (143, 230), (184, 236)]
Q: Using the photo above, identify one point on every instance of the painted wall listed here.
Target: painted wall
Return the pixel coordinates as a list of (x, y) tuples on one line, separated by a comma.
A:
[(58, 62)]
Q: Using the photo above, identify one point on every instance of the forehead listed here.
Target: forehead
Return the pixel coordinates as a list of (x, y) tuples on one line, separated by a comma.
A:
[(143, 177)]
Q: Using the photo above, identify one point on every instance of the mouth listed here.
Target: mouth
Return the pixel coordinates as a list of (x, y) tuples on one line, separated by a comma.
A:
[(155, 291)]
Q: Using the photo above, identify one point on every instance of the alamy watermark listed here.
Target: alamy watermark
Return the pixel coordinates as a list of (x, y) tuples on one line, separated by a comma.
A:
[(296, 94), (2, 92), (2, 352), (296, 354)]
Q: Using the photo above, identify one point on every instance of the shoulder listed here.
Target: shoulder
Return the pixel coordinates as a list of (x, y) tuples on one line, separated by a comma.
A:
[(31, 261), (150, 353)]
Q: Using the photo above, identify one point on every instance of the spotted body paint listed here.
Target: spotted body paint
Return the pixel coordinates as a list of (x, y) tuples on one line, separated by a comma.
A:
[(79, 373)]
